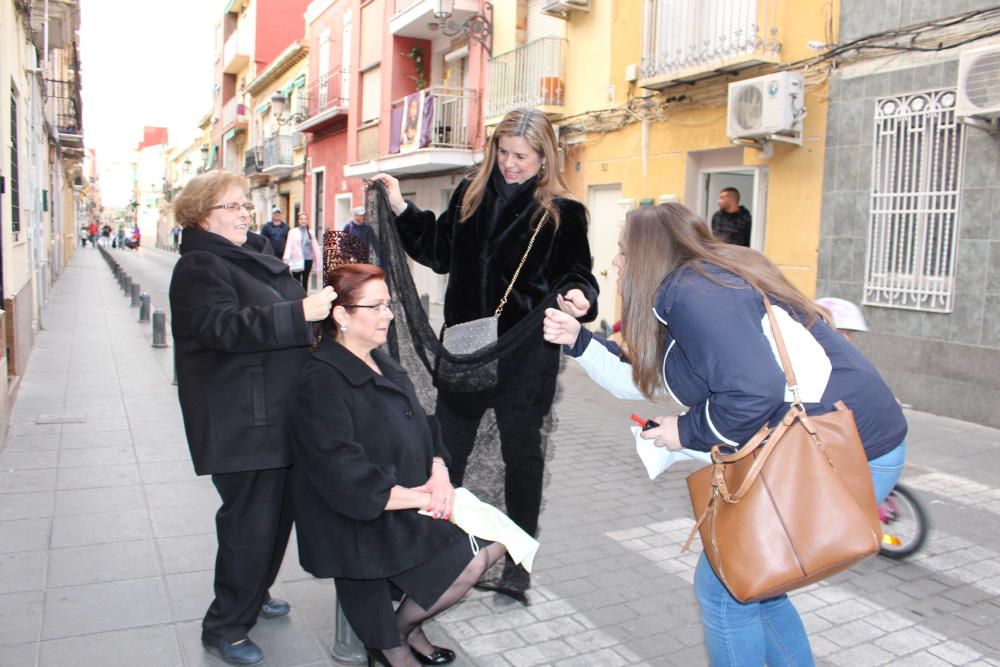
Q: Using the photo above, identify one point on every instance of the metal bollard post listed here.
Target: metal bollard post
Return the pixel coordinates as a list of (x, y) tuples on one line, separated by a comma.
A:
[(135, 294), (347, 648), (160, 330), (425, 302), (127, 284), (144, 307)]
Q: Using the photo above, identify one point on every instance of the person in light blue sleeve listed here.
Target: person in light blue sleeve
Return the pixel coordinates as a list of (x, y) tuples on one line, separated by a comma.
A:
[(695, 328)]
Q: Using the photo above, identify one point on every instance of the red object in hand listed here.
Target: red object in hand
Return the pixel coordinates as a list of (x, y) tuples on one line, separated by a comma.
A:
[(644, 424)]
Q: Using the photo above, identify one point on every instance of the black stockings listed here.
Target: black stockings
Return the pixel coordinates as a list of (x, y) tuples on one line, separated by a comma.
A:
[(411, 616)]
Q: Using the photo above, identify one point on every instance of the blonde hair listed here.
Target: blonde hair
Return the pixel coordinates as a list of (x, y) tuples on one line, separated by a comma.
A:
[(196, 199), (658, 240), (538, 132)]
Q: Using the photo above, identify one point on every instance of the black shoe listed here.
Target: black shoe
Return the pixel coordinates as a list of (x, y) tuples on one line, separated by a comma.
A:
[(273, 608), (440, 656), (514, 583), (243, 652)]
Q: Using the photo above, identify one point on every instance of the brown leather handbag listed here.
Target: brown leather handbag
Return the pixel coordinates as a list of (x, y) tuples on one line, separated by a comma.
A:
[(793, 506)]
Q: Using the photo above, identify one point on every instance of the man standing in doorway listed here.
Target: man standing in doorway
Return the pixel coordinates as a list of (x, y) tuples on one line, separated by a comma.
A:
[(732, 222), (365, 233), (276, 231)]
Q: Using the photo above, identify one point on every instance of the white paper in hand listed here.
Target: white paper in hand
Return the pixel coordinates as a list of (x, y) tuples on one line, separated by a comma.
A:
[(657, 459)]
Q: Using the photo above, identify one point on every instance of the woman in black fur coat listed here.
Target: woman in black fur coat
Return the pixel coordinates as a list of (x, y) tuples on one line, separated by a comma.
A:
[(479, 240)]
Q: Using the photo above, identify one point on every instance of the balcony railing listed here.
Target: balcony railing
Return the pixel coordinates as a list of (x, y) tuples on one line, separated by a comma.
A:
[(439, 119), (233, 111), (65, 105), (683, 38), (531, 75), (324, 95), (277, 152), (253, 162), (403, 5)]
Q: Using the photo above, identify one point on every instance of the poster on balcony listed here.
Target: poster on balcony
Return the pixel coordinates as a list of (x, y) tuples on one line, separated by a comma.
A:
[(409, 129)]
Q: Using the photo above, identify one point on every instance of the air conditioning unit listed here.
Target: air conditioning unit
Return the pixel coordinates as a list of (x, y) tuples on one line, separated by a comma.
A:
[(561, 8), (979, 83), (767, 107)]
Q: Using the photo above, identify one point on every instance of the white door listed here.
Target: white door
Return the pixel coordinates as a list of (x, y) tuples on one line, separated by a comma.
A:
[(606, 219)]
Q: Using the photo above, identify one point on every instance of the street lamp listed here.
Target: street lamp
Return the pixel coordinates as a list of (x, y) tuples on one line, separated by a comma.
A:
[(478, 27), (278, 102)]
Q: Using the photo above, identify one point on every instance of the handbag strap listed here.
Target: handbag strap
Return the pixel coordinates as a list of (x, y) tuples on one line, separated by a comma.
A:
[(510, 286), (779, 342)]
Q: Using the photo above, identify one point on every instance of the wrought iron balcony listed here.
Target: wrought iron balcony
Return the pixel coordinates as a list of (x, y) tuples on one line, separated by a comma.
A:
[(684, 40), (441, 119), (65, 109), (531, 75), (253, 163), (277, 155), (324, 103)]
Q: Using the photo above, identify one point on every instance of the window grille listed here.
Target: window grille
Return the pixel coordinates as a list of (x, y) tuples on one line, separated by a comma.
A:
[(916, 182), (15, 171)]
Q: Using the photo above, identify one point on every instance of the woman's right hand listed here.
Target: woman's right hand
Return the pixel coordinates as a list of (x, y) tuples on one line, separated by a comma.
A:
[(317, 306), (396, 201), (559, 327)]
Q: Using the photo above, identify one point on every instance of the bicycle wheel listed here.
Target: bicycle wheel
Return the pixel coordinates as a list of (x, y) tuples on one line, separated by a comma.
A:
[(904, 523)]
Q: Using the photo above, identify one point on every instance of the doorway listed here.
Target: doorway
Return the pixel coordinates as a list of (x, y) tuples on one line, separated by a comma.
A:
[(606, 219), (750, 182), (342, 212), (319, 202)]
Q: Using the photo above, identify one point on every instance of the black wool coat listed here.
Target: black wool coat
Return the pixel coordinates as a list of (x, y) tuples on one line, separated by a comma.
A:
[(357, 434), (240, 342), (481, 254)]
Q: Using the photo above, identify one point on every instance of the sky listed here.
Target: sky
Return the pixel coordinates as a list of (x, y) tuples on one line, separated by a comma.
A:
[(143, 62)]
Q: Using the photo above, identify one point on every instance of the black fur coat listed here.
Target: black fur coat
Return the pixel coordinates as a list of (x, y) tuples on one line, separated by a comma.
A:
[(481, 254)]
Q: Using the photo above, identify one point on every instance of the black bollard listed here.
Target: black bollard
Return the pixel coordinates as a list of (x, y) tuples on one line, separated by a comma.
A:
[(144, 307), (347, 648), (127, 285), (160, 330), (425, 302), (135, 295)]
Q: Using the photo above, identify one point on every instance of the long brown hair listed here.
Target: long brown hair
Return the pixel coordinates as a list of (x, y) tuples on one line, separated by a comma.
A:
[(656, 241), (538, 132)]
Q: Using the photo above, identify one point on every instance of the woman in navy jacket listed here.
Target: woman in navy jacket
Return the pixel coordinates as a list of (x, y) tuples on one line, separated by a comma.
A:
[(695, 327), (367, 458)]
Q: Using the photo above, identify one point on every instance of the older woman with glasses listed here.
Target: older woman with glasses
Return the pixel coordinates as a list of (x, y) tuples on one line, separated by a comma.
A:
[(371, 483), (241, 327)]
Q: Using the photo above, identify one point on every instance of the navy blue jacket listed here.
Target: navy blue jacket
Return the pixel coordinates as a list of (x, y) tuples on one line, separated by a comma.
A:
[(720, 364)]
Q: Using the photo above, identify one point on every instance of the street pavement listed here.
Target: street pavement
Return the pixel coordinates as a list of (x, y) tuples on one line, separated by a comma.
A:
[(107, 537)]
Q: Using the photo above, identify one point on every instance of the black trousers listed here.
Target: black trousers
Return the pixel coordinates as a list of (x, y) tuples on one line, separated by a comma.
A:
[(520, 416), (303, 275), (253, 526)]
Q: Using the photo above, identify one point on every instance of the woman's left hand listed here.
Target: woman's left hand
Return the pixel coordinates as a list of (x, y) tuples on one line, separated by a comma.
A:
[(664, 435), (573, 303), (442, 492)]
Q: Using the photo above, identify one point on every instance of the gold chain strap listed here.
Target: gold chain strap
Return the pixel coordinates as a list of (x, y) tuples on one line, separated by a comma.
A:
[(510, 286)]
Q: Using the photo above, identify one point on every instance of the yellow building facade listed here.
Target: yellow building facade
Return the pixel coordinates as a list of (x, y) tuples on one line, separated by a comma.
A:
[(642, 114)]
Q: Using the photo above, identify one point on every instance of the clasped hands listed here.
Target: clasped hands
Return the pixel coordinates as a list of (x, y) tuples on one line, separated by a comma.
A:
[(440, 493)]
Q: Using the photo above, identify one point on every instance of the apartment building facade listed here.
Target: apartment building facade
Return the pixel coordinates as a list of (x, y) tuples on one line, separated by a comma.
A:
[(911, 201)]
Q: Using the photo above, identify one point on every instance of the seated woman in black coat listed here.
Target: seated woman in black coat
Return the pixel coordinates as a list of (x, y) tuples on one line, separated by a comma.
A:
[(367, 458)]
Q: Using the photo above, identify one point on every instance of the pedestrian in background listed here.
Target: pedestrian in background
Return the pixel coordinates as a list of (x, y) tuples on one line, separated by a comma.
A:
[(92, 232), (693, 322), (479, 241), (364, 232), (302, 253), (276, 231), (241, 327), (732, 223), (367, 458)]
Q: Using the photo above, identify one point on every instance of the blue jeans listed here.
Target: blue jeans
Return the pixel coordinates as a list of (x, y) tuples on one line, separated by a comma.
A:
[(769, 631)]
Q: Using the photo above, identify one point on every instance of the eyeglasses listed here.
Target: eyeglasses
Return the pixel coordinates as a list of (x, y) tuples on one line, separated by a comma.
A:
[(379, 308), (233, 205)]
